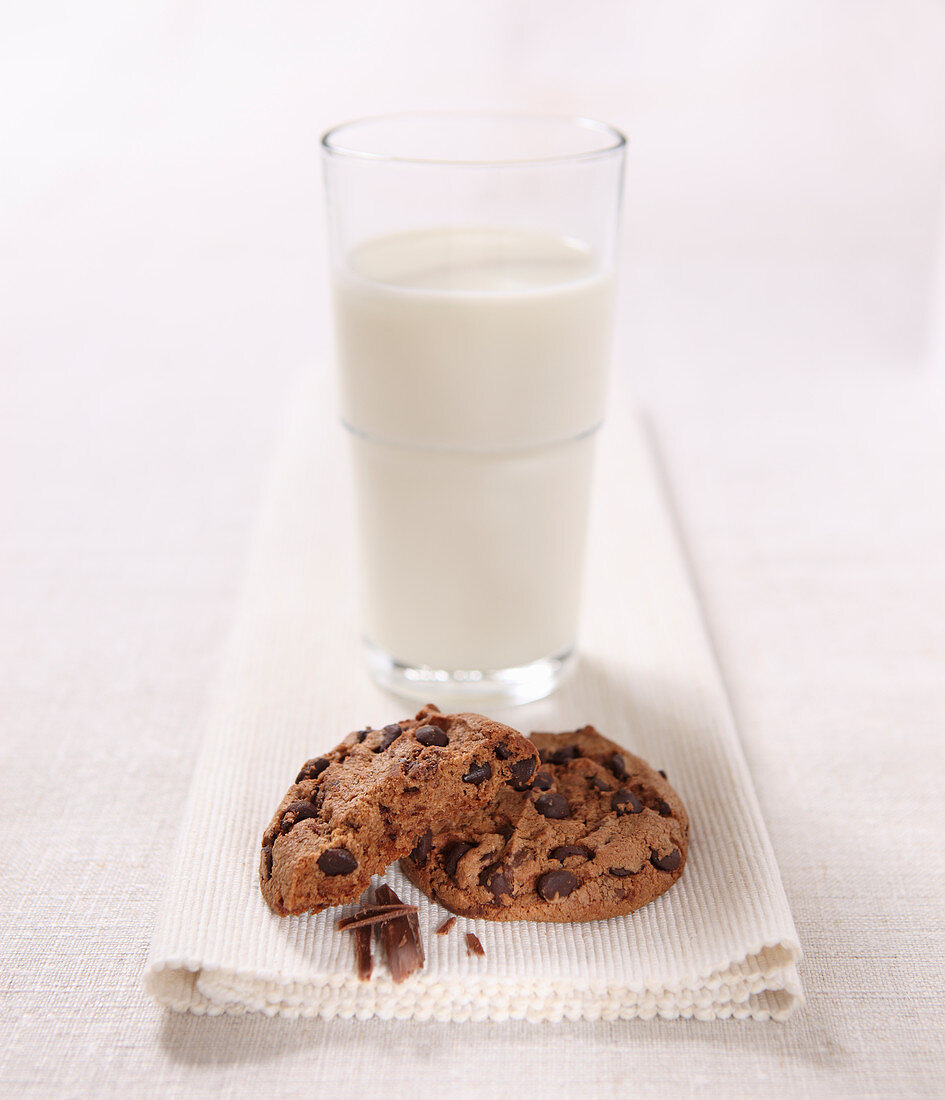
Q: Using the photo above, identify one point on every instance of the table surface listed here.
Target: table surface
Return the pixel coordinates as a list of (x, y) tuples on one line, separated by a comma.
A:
[(162, 286)]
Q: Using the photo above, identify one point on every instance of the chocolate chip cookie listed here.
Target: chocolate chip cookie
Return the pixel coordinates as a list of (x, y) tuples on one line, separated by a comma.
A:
[(595, 833), (371, 800)]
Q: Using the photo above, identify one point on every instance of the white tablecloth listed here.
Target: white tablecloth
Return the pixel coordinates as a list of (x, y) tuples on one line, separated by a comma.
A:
[(161, 289)]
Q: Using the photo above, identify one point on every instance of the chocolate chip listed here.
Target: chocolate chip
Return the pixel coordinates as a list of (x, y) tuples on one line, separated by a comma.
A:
[(542, 781), (495, 881), (312, 769), (363, 733), (337, 861), (669, 862), (502, 752), (562, 852), (622, 872), (617, 765), (498, 885), (600, 784), (453, 853), (430, 735), (389, 736), (478, 773), (663, 774), (522, 855), (422, 848), (552, 805), (563, 755), (521, 772), (556, 884), (626, 802), (663, 808), (265, 863), (296, 812)]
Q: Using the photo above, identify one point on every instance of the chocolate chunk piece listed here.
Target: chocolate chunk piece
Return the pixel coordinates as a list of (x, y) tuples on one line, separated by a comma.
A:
[(553, 885), (502, 752), (521, 772), (668, 862), (312, 769), (553, 805), (296, 812), (625, 801), (473, 946), (495, 881), (400, 937), (663, 774), (389, 735), (542, 781), (374, 914), (564, 851), (432, 735), (600, 784), (617, 765), (623, 872), (478, 773), (563, 755), (453, 853), (422, 848), (362, 952), (337, 861), (446, 927)]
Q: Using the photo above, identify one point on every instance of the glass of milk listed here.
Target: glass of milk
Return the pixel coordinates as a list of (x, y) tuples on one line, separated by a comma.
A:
[(473, 265)]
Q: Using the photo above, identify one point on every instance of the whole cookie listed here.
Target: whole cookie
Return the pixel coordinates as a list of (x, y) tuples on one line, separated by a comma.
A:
[(596, 833), (353, 811)]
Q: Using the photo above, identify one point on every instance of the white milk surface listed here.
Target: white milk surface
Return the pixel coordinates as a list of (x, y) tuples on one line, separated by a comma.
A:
[(474, 373)]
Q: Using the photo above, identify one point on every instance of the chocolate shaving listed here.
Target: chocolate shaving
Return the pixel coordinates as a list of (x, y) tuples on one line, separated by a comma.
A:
[(374, 914), (473, 946), (446, 927), (400, 937), (362, 952)]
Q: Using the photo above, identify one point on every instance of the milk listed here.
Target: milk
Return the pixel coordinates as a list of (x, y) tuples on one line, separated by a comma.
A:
[(473, 377)]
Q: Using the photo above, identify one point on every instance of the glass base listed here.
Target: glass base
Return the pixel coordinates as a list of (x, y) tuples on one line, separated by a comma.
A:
[(453, 689)]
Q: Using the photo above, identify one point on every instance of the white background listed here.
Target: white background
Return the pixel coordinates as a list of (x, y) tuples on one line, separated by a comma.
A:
[(162, 284)]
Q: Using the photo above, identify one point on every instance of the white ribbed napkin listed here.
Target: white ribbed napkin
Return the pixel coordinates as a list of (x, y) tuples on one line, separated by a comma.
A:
[(720, 944)]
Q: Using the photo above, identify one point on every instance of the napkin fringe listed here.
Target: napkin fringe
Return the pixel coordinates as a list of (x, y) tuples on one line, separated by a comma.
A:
[(764, 985)]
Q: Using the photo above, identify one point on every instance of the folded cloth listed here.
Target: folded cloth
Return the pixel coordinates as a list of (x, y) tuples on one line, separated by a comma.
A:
[(719, 944)]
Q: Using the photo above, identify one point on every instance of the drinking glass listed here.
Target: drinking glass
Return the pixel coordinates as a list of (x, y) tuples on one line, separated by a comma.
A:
[(473, 260)]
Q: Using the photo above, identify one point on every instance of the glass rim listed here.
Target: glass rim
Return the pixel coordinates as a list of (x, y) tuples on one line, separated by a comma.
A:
[(616, 141)]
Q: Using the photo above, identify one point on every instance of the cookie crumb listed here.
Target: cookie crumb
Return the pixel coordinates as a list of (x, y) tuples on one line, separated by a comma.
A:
[(446, 927), (473, 946)]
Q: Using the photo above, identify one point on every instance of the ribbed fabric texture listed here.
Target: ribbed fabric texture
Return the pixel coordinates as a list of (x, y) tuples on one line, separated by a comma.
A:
[(720, 944)]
